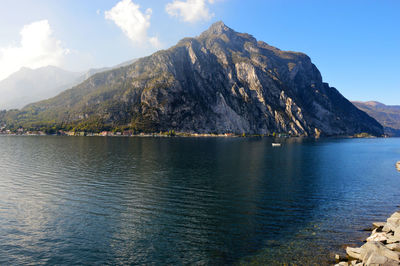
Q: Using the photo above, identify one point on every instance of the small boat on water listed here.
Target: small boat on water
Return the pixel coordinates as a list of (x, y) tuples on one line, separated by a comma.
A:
[(276, 144), (398, 165)]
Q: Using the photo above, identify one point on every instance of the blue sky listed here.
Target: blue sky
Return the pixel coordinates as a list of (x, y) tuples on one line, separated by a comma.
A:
[(355, 44)]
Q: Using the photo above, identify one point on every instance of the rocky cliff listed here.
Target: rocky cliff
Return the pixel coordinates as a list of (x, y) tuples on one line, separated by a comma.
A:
[(221, 81)]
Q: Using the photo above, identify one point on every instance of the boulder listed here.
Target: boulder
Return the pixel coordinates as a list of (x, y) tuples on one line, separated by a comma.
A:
[(354, 252), (378, 224), (397, 231), (379, 260), (377, 248), (378, 237), (392, 222), (392, 239), (395, 217), (356, 263), (393, 246), (376, 259)]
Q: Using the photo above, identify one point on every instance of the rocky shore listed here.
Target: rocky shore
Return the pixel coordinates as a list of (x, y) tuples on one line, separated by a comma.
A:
[(382, 247)]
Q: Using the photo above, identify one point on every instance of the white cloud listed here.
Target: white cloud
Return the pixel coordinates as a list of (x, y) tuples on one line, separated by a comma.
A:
[(155, 42), (134, 24), (190, 10), (38, 48)]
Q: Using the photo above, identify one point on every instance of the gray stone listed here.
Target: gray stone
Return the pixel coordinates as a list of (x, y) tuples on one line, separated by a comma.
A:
[(390, 262), (397, 231), (379, 260), (378, 237), (378, 224), (392, 239), (354, 252), (392, 222), (353, 262), (379, 249), (376, 259), (393, 246)]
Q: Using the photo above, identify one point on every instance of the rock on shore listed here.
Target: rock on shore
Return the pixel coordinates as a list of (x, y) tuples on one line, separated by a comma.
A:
[(382, 246)]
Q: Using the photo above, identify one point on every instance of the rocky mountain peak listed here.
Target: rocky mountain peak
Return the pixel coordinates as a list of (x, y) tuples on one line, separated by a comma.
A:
[(218, 28)]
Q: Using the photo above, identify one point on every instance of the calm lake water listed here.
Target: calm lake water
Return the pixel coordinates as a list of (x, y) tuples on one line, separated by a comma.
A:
[(93, 200)]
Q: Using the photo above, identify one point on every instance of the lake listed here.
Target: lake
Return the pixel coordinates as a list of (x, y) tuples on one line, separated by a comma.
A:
[(98, 200)]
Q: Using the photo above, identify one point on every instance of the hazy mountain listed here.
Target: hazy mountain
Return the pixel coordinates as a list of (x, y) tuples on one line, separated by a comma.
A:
[(387, 115), (93, 71), (31, 85), (220, 81)]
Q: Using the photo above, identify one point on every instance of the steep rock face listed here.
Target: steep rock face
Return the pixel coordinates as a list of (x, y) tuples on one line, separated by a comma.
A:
[(221, 81)]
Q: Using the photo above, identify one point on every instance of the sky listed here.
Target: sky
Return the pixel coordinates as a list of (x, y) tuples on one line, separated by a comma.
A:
[(355, 44)]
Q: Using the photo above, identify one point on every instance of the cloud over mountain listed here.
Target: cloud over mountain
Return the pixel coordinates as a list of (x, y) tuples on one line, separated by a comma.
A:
[(37, 48), (190, 10), (133, 22)]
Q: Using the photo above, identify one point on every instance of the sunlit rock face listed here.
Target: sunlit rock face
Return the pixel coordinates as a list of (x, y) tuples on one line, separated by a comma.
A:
[(221, 81)]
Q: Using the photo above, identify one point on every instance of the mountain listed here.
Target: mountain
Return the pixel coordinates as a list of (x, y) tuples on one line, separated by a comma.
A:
[(221, 81), (93, 71), (387, 115), (31, 85)]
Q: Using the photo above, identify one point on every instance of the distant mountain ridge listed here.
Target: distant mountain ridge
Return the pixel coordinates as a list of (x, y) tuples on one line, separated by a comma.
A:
[(221, 81), (31, 85), (387, 115), (93, 71)]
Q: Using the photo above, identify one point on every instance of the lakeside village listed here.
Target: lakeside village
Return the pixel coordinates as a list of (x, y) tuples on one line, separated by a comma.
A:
[(131, 133), (127, 133)]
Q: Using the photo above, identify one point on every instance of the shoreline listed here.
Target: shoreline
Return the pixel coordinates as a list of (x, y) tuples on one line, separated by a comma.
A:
[(382, 247), (186, 134)]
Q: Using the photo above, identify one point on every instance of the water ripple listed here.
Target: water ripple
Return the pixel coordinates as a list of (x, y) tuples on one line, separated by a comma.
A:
[(189, 201)]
